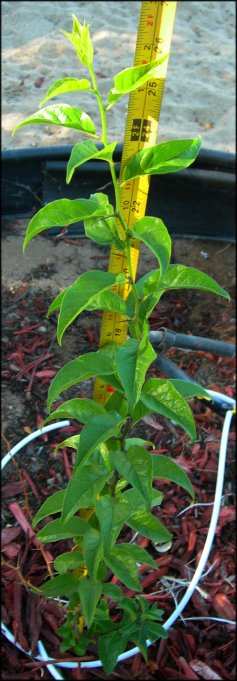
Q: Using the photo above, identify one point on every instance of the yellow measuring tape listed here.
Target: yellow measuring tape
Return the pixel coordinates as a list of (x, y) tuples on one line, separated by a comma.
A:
[(153, 41)]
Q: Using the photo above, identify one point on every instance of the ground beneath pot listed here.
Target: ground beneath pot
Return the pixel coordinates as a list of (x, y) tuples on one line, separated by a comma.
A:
[(30, 358)]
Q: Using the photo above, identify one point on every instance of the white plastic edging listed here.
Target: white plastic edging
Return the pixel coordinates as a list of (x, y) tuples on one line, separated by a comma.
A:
[(198, 572)]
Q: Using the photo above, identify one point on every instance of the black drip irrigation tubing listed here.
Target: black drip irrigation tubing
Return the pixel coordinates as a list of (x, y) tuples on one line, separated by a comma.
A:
[(166, 338)]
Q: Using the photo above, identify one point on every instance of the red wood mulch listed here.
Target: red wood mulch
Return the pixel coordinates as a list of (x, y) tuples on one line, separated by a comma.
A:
[(195, 649)]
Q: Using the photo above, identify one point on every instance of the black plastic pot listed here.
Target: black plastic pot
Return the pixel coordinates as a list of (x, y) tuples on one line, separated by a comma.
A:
[(197, 202)]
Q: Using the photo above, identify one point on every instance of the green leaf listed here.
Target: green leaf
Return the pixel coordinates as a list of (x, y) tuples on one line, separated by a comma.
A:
[(81, 41), (148, 630), (155, 235), (167, 157), (160, 396), (90, 478), (55, 305), (112, 591), (57, 530), (137, 553), (136, 501), (64, 115), (86, 151), (62, 585), (189, 389), (124, 568), (180, 276), (71, 442), (110, 646), (81, 369), (149, 526), (80, 408), (103, 230), (100, 429), (117, 403), (63, 85), (132, 78), (51, 505), (140, 637), (109, 301), (92, 551), (136, 467), (89, 592), (68, 561), (131, 441), (60, 213), (105, 513), (167, 469), (132, 361), (81, 295)]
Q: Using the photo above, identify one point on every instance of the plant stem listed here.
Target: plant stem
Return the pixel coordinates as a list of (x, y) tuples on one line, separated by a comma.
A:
[(104, 136)]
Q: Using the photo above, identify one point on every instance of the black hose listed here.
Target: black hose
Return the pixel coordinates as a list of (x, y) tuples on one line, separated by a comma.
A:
[(166, 339), (171, 370)]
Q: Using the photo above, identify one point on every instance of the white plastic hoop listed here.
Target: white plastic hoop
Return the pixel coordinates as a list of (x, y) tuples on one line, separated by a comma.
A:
[(53, 664)]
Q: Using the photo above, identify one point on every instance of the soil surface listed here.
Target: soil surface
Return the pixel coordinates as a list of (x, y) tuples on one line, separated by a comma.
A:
[(30, 358)]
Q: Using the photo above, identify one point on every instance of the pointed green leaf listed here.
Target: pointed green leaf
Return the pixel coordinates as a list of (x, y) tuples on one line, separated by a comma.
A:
[(81, 41), (132, 361), (90, 478), (189, 389), (109, 301), (89, 592), (64, 115), (105, 513), (124, 568), (92, 551), (68, 561), (137, 553), (167, 469), (62, 585), (57, 530), (71, 442), (81, 409), (81, 369), (131, 441), (112, 591), (149, 526), (154, 631), (51, 505), (154, 233), (104, 230), (63, 85), (86, 151), (132, 78), (110, 646), (60, 213), (160, 396), (180, 276), (136, 467), (136, 501), (81, 295), (117, 403), (99, 430), (55, 305), (140, 637), (167, 157)]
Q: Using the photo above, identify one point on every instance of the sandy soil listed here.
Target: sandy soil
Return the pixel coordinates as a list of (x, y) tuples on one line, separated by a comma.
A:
[(200, 89)]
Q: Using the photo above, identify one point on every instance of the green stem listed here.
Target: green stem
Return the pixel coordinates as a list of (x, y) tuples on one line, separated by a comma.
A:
[(104, 136)]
